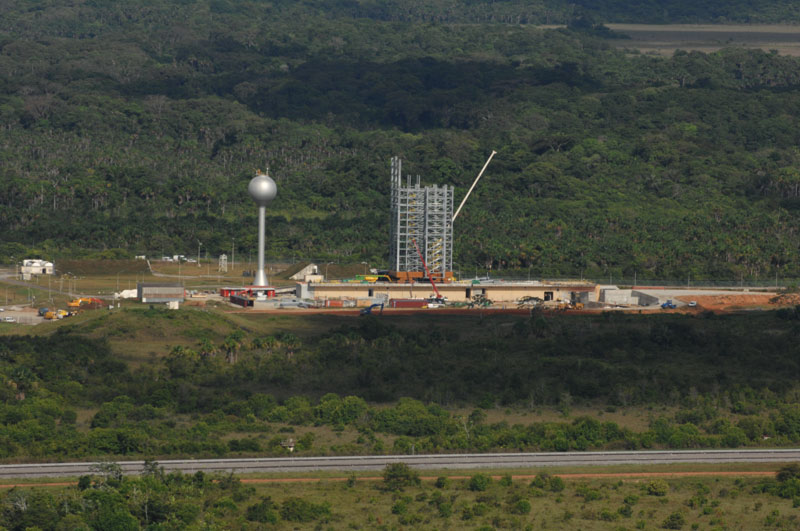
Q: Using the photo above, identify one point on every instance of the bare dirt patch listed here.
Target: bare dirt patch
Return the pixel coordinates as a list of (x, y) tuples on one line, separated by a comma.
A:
[(731, 302), (665, 39)]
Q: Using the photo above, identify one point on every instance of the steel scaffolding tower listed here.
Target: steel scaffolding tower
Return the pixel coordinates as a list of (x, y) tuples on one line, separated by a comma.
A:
[(423, 214)]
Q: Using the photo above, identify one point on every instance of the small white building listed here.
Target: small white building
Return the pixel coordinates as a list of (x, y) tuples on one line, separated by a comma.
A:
[(32, 267)]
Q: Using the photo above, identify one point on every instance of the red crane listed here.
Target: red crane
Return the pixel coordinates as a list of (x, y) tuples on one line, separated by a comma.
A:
[(435, 289)]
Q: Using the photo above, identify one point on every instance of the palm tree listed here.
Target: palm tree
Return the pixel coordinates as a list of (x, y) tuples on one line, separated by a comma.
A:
[(232, 344), (290, 342), (207, 348)]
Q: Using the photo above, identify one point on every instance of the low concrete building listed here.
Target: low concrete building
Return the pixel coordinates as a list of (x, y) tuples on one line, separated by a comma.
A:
[(33, 267), (160, 292), (497, 291), (619, 297)]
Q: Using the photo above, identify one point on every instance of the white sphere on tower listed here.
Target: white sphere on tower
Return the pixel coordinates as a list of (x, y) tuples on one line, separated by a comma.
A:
[(262, 189)]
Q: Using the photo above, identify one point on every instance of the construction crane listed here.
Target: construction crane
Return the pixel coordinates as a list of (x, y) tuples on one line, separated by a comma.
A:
[(425, 265), (478, 178)]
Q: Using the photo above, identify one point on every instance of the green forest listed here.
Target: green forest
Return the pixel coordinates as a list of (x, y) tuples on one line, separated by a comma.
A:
[(133, 128), (215, 388)]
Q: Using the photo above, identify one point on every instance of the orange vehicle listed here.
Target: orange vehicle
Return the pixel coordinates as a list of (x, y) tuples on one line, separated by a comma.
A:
[(77, 303)]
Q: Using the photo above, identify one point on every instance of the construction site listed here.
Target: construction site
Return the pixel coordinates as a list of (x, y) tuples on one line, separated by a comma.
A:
[(419, 275)]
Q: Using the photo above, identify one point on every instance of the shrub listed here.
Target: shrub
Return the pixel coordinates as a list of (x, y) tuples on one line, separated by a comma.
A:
[(299, 510), (442, 482), (541, 480), (506, 481), (521, 507), (788, 472), (244, 445), (445, 509), (588, 494), (626, 511), (399, 475), (657, 487), (556, 484), (674, 521), (631, 500), (479, 482), (480, 509)]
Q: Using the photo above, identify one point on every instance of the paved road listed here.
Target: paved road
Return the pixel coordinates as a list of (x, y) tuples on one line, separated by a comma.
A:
[(422, 462)]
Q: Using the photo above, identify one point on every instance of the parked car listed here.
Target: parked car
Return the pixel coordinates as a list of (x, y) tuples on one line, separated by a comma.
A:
[(9, 320), (692, 304)]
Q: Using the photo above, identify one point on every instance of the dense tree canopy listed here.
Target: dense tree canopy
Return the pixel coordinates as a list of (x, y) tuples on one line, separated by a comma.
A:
[(717, 381), (136, 125)]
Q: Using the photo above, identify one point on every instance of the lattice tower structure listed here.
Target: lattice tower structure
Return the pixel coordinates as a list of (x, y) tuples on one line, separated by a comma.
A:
[(424, 214)]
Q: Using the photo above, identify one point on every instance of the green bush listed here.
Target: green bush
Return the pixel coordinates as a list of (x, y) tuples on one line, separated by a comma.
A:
[(541, 480), (521, 507), (657, 487), (788, 472), (263, 512), (631, 499), (399, 475), (556, 484), (299, 510), (479, 482), (674, 521), (445, 509), (480, 509), (588, 494)]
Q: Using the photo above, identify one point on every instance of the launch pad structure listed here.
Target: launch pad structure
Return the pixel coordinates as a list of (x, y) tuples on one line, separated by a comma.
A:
[(423, 214)]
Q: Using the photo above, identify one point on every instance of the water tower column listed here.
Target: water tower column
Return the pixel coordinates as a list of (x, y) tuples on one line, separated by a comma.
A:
[(263, 190), (261, 274)]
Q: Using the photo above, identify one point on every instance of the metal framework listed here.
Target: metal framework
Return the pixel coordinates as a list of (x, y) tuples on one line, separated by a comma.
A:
[(424, 214)]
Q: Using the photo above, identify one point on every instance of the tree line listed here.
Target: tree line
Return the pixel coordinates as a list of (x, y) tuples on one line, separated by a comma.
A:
[(731, 383), (128, 132)]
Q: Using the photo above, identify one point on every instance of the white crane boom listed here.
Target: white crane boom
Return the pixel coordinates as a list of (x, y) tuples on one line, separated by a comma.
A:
[(473, 185)]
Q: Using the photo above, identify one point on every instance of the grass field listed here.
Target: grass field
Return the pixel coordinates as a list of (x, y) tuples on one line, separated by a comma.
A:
[(516, 499), (665, 39), (724, 503)]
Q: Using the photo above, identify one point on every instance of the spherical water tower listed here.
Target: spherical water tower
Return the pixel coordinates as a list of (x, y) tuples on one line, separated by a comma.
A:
[(263, 190)]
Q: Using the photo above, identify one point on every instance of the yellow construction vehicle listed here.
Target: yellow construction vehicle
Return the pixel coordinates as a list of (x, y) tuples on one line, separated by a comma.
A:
[(77, 303)]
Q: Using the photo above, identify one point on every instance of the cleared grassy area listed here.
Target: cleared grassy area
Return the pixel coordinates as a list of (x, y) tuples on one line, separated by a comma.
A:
[(357, 501), (665, 39)]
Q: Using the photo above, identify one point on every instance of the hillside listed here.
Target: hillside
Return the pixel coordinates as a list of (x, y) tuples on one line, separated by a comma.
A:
[(154, 383), (133, 129)]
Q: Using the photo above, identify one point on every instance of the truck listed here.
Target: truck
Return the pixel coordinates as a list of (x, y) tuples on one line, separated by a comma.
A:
[(85, 302), (668, 305)]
